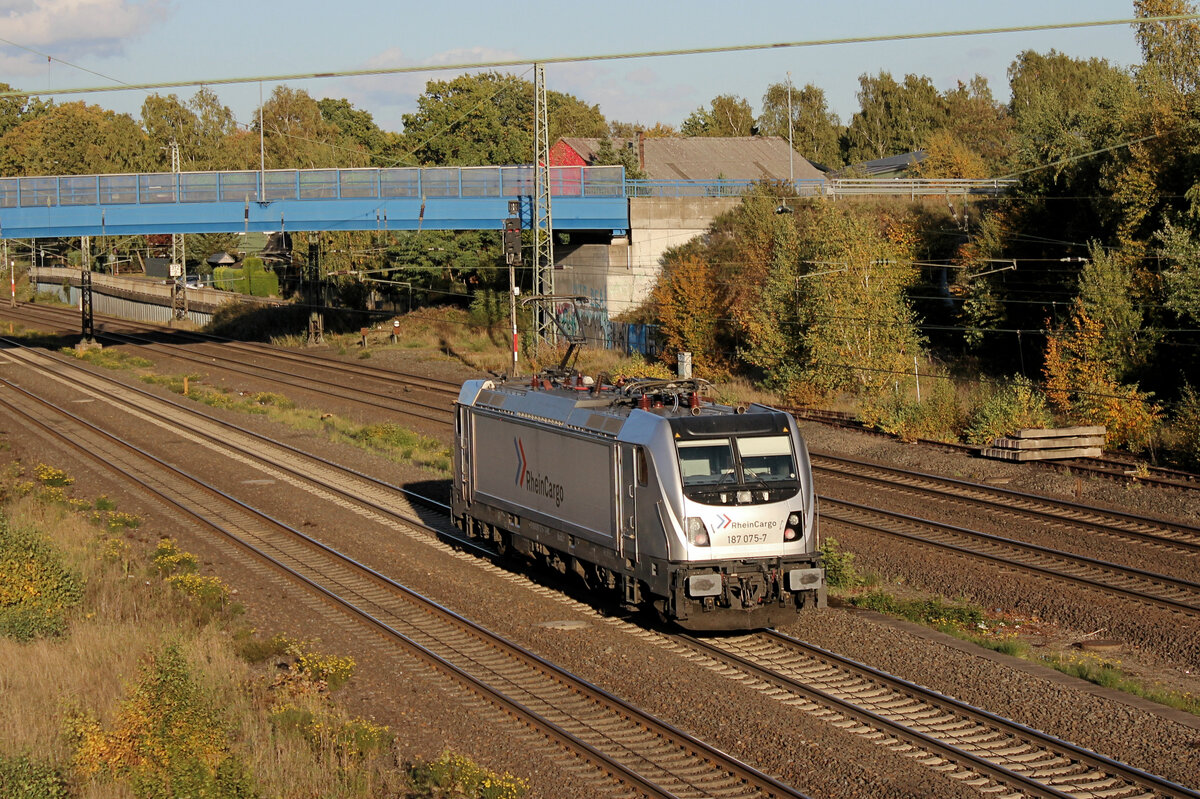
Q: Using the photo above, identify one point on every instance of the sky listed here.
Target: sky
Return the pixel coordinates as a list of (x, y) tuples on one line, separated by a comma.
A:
[(150, 41)]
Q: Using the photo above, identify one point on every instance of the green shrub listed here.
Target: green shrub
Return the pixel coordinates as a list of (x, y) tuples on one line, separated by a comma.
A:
[(931, 611), (455, 775), (170, 559), (350, 740), (488, 308), (839, 565), (36, 587), (209, 593), (1016, 406), (168, 739), (252, 649), (22, 778), (1186, 427), (229, 278), (937, 416)]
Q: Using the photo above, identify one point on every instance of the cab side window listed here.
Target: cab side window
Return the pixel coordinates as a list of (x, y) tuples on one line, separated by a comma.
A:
[(641, 467)]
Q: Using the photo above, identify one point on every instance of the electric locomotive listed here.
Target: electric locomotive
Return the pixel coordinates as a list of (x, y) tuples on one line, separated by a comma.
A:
[(702, 511)]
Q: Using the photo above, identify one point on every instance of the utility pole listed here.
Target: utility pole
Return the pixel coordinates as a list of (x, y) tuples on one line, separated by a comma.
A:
[(85, 290), (178, 268), (543, 228), (12, 275), (512, 255), (791, 151)]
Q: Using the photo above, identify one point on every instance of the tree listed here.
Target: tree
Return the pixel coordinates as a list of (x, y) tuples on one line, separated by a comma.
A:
[(487, 119), (978, 122), (947, 156), (361, 139), (219, 143), (606, 154), (631, 130), (1081, 384), (1062, 108), (727, 115), (1106, 295), (73, 139), (894, 118), (1181, 280), (168, 123), (815, 130), (1170, 50), (295, 135), (688, 308), (15, 110)]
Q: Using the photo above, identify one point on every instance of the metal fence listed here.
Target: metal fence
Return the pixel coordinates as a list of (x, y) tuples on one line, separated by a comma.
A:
[(306, 184), (914, 187), (425, 182)]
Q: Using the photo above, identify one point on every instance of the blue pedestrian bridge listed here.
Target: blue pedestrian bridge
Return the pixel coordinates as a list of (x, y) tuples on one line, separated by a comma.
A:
[(428, 198)]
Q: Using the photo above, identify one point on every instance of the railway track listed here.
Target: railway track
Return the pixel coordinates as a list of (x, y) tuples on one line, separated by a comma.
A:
[(638, 753), (970, 745), (396, 391), (1153, 589), (1159, 590), (1011, 503), (941, 749), (1112, 466)]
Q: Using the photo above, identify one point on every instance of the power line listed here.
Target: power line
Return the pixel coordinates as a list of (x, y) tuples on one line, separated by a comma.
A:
[(894, 37)]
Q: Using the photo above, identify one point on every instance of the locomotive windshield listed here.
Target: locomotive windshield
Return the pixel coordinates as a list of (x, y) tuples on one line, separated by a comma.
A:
[(738, 470)]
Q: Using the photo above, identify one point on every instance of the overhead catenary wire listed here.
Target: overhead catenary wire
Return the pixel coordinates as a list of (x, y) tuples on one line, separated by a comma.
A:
[(520, 62)]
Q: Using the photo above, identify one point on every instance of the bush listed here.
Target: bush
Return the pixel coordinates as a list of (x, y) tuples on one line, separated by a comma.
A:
[(334, 671), (839, 565), (933, 611), (455, 775), (22, 778), (168, 739), (1186, 427), (1016, 406), (170, 559), (36, 587), (937, 416)]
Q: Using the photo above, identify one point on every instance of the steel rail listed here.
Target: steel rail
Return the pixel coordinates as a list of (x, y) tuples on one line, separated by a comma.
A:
[(716, 758), (1191, 608), (974, 489), (952, 752)]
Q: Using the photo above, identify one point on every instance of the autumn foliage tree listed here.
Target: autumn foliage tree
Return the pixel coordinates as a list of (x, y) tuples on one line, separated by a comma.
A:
[(689, 305), (1080, 383), (813, 298)]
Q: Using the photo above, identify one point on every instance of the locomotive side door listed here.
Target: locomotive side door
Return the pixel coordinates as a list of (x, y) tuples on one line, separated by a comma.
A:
[(627, 482)]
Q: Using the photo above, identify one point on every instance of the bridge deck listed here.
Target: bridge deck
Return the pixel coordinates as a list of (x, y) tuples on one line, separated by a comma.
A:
[(447, 198)]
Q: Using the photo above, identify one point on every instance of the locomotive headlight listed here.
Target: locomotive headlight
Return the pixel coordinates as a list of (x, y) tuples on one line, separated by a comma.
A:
[(697, 532), (791, 530)]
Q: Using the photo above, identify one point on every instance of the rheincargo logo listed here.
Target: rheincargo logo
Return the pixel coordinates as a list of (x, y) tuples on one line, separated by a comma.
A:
[(726, 523), (541, 485)]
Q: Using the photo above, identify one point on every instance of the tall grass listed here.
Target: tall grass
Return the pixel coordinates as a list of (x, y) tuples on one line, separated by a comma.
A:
[(149, 690)]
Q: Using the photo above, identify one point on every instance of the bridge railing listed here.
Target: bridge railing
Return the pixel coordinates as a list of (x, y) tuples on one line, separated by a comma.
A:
[(919, 187), (306, 184), (817, 187), (425, 182), (710, 188)]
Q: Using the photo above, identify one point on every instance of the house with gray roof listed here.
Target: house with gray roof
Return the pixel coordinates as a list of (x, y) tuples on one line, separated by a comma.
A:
[(698, 157)]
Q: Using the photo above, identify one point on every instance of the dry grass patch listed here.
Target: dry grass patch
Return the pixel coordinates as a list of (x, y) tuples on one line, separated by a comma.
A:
[(146, 692)]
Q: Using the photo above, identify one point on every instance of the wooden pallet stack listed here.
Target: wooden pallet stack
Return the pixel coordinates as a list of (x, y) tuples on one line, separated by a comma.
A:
[(1038, 444)]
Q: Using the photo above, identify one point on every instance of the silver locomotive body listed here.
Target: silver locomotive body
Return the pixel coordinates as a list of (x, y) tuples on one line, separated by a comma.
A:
[(705, 512)]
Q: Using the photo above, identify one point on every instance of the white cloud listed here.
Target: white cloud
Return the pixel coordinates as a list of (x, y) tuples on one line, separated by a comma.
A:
[(70, 28)]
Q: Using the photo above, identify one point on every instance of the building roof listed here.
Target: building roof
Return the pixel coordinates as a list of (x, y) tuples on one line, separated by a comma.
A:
[(886, 167), (710, 158)]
